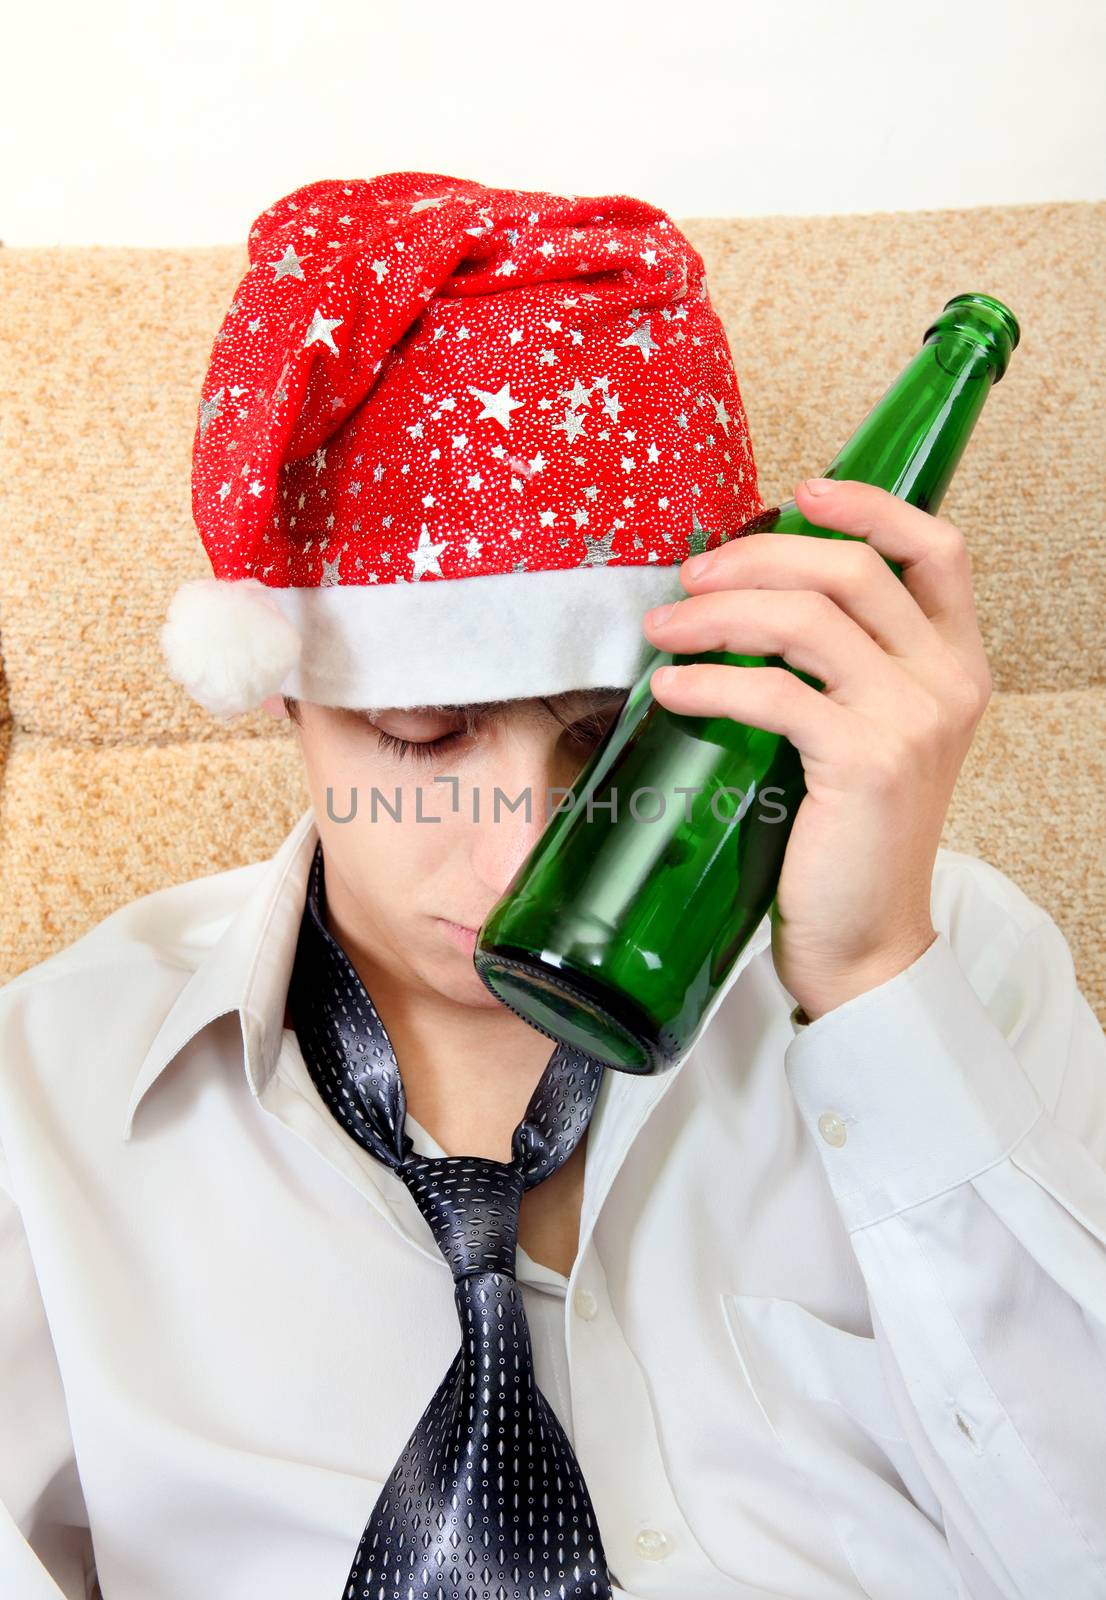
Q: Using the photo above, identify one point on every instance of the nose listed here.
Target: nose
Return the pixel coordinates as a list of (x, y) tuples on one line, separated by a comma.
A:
[(532, 772)]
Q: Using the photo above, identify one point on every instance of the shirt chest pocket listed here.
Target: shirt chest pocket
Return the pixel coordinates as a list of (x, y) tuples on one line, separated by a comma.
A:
[(823, 1393)]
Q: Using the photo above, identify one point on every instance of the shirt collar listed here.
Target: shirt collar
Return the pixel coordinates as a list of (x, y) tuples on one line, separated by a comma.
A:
[(249, 967)]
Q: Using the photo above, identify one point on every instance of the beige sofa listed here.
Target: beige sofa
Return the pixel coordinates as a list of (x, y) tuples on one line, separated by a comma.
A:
[(113, 783)]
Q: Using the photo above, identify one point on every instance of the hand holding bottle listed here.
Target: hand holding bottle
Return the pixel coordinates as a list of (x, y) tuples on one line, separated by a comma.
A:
[(621, 931), (905, 682)]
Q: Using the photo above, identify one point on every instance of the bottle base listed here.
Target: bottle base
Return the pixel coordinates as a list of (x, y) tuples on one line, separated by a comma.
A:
[(568, 1009)]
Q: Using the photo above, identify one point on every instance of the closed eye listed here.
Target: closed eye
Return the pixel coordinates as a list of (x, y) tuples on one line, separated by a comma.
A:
[(588, 730), (418, 749)]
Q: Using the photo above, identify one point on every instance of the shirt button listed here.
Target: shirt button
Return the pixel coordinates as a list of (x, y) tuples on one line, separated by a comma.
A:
[(832, 1128), (585, 1304), (653, 1544)]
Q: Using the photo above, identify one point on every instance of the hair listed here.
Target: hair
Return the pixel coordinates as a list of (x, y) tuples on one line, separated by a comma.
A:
[(473, 711)]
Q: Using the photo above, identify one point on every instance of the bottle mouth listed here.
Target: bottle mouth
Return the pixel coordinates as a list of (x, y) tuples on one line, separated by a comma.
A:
[(983, 319)]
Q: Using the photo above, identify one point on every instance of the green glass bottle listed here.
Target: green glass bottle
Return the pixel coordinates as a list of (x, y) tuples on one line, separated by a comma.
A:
[(619, 930)]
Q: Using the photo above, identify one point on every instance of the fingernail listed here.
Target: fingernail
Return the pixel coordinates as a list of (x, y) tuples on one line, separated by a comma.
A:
[(818, 485), (661, 614), (699, 564)]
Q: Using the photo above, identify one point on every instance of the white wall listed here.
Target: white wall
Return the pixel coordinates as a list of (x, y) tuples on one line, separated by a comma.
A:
[(150, 123)]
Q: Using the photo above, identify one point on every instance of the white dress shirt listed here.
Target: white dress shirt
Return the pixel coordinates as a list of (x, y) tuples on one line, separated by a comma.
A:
[(836, 1326)]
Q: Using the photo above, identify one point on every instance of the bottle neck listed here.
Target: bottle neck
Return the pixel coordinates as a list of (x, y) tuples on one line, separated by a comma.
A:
[(911, 442)]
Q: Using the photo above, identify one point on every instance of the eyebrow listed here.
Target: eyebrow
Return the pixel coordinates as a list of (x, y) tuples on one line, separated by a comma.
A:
[(589, 699)]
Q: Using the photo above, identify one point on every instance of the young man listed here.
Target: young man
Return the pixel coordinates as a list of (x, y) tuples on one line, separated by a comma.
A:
[(819, 1312)]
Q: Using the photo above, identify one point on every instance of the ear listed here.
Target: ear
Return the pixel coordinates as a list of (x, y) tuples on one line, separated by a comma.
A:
[(274, 705)]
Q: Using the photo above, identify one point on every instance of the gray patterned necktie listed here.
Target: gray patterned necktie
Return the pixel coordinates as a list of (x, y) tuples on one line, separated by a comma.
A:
[(487, 1500)]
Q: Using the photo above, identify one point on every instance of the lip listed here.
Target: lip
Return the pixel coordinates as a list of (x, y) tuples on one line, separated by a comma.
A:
[(463, 937)]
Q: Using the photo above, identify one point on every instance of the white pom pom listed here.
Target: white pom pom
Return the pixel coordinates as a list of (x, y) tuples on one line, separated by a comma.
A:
[(228, 643)]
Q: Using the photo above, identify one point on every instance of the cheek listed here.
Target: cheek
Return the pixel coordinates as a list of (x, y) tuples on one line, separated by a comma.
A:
[(388, 856)]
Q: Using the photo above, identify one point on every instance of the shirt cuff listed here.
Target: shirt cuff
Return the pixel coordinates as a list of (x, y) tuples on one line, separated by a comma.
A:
[(908, 1089)]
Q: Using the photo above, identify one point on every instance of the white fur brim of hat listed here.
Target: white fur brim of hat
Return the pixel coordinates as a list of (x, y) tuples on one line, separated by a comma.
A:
[(500, 636)]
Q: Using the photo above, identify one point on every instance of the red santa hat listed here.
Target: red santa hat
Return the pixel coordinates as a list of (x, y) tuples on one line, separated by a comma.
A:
[(452, 444)]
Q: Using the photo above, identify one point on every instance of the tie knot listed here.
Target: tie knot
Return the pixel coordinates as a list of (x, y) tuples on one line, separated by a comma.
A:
[(472, 1207)]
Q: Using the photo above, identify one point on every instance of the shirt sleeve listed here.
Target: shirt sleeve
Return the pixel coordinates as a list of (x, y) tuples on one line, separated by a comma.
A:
[(45, 1542), (960, 1113)]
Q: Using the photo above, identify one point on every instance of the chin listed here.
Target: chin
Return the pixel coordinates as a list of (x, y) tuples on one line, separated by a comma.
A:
[(467, 982), (449, 971)]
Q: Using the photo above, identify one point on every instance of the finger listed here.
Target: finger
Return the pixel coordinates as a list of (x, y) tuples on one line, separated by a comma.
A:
[(760, 697), (803, 626), (849, 571), (932, 553)]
